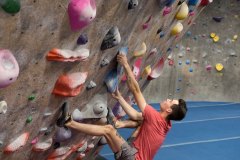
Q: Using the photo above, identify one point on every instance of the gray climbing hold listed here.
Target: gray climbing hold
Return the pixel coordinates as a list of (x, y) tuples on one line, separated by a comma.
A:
[(204, 55), (132, 4), (1, 143), (180, 55), (104, 62), (195, 61), (83, 39), (96, 108), (46, 114), (91, 85), (111, 39), (233, 54), (43, 129), (63, 134)]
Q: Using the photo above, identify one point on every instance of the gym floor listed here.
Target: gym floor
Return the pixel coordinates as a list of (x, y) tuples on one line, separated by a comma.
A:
[(210, 131)]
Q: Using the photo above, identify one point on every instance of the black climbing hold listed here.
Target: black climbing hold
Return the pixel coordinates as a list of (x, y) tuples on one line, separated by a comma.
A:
[(180, 2), (159, 30), (83, 39), (132, 4), (56, 145), (217, 19), (63, 116), (111, 39)]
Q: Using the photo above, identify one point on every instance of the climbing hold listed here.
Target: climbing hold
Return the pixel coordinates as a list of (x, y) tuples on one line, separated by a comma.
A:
[(167, 10), (166, 2), (81, 13), (190, 69), (141, 51), (47, 114), (219, 67), (216, 38), (146, 24), (62, 134), (208, 67), (187, 61), (180, 2), (177, 28), (102, 141), (146, 72), (179, 79), (96, 108), (188, 48), (179, 63), (192, 2), (235, 37), (70, 85), (159, 30), (29, 119), (180, 55), (104, 62), (212, 35), (34, 141), (178, 89), (9, 68), (136, 68), (195, 61), (162, 34), (157, 69), (43, 129), (42, 146), (152, 52), (205, 2), (83, 39), (183, 12), (17, 143), (111, 80), (64, 110), (65, 55), (171, 62), (132, 4), (3, 107), (32, 97), (10, 6), (217, 19), (111, 39), (91, 85), (189, 33), (82, 148)]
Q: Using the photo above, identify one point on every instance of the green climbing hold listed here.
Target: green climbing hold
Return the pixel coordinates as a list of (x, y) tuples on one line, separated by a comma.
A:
[(10, 6), (29, 119), (32, 97)]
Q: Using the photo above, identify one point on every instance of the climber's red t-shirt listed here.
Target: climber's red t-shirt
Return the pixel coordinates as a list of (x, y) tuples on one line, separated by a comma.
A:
[(151, 135)]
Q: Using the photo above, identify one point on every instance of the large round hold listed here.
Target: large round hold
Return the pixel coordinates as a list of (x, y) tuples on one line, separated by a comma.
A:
[(9, 68)]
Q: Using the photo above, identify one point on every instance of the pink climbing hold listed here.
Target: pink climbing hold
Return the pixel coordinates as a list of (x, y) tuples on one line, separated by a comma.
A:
[(146, 24), (9, 68), (136, 68), (208, 67), (205, 2), (166, 10), (81, 13)]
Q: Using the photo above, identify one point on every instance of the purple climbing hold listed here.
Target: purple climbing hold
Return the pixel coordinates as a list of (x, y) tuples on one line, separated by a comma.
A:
[(83, 39), (132, 4), (111, 39), (218, 19), (63, 134)]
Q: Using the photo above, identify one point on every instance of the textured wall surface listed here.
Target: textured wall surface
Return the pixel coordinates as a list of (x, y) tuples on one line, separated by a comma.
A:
[(203, 85), (42, 25)]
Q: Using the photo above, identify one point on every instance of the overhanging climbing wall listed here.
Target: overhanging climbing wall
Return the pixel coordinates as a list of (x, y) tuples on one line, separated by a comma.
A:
[(61, 58)]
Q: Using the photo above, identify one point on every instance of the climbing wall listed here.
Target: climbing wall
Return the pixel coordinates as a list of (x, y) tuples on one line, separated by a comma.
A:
[(61, 58)]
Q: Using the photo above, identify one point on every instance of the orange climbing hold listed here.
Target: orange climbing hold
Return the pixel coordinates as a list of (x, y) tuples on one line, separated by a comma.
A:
[(17, 143), (64, 55), (70, 85)]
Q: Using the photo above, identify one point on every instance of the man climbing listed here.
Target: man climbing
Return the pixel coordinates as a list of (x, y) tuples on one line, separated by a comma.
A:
[(152, 131)]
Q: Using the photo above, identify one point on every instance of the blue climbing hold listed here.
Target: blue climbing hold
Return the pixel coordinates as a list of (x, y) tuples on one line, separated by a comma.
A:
[(189, 33), (179, 63), (111, 80), (187, 61), (192, 2), (162, 34), (190, 70)]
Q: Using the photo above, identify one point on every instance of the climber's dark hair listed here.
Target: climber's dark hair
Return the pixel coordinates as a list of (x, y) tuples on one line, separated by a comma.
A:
[(178, 111)]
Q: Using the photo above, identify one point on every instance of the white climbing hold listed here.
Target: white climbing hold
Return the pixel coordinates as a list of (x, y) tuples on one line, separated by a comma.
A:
[(91, 85), (3, 107), (104, 62)]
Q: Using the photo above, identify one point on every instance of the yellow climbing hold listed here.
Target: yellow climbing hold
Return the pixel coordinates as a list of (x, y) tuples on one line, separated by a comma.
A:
[(219, 67), (216, 38), (141, 52), (212, 35), (235, 37), (183, 12), (177, 28), (147, 70)]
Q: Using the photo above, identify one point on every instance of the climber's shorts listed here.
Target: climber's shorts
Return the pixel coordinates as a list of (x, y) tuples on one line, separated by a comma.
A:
[(126, 153)]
